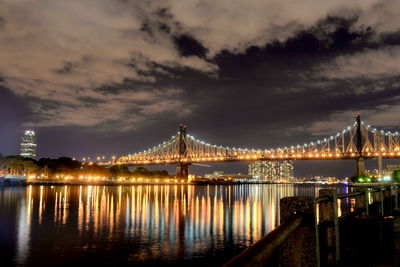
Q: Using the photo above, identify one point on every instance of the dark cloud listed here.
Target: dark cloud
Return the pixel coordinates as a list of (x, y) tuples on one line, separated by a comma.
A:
[(66, 68), (2, 22), (189, 46), (392, 38), (330, 37)]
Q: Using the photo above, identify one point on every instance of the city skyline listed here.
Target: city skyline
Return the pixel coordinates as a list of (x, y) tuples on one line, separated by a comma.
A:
[(129, 73)]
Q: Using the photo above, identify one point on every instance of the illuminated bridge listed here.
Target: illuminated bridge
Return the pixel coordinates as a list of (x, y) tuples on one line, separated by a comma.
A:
[(359, 141)]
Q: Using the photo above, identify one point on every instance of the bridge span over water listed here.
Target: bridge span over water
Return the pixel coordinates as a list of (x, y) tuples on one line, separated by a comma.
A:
[(359, 141)]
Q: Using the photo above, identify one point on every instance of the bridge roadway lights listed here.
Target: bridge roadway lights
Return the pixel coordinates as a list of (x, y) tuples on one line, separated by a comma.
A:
[(182, 171)]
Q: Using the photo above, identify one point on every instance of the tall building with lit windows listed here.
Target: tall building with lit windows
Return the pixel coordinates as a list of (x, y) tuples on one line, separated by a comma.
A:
[(28, 145), (272, 171)]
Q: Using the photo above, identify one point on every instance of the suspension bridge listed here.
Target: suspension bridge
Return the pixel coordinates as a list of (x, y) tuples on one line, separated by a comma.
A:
[(359, 141)]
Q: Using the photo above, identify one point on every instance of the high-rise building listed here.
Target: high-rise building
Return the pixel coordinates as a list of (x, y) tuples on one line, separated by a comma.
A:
[(28, 145), (272, 171)]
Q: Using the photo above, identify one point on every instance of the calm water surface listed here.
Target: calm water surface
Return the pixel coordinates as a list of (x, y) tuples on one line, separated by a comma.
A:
[(140, 225)]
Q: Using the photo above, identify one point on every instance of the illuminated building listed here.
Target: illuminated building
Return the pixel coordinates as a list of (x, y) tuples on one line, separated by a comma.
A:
[(28, 145), (272, 171), (391, 168)]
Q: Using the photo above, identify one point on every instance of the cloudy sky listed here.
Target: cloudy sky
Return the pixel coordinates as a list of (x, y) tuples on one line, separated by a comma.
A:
[(111, 77)]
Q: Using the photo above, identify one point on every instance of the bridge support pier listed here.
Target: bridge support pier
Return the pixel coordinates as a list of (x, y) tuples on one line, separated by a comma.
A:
[(182, 171), (360, 166)]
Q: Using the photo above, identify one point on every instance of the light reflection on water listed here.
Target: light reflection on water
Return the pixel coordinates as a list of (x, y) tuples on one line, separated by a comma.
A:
[(141, 224)]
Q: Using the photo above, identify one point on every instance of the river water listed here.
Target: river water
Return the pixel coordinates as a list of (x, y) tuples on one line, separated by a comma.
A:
[(137, 225)]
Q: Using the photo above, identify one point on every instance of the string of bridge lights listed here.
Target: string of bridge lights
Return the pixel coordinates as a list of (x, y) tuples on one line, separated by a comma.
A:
[(311, 144), (386, 133), (347, 129)]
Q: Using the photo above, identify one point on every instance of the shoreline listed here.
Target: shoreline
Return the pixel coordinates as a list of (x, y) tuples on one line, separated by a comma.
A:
[(111, 183), (102, 183), (129, 183), (371, 184)]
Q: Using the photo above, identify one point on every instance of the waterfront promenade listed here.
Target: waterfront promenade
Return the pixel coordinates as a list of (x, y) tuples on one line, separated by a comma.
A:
[(318, 232), (361, 257)]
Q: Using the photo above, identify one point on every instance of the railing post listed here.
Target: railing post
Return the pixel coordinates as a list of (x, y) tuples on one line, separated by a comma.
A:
[(375, 201), (388, 200), (366, 202), (316, 228), (329, 216), (361, 200), (300, 248), (381, 199), (336, 223)]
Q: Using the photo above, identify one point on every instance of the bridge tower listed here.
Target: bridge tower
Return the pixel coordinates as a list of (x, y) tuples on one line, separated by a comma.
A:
[(182, 170), (360, 159)]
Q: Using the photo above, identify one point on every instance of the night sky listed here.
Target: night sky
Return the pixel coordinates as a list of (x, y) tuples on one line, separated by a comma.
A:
[(115, 77)]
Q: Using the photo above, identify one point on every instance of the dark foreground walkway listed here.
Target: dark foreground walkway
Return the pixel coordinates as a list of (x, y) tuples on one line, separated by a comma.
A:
[(397, 240), (383, 252)]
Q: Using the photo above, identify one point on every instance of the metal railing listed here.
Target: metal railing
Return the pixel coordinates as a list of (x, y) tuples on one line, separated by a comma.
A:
[(334, 199), (265, 250)]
